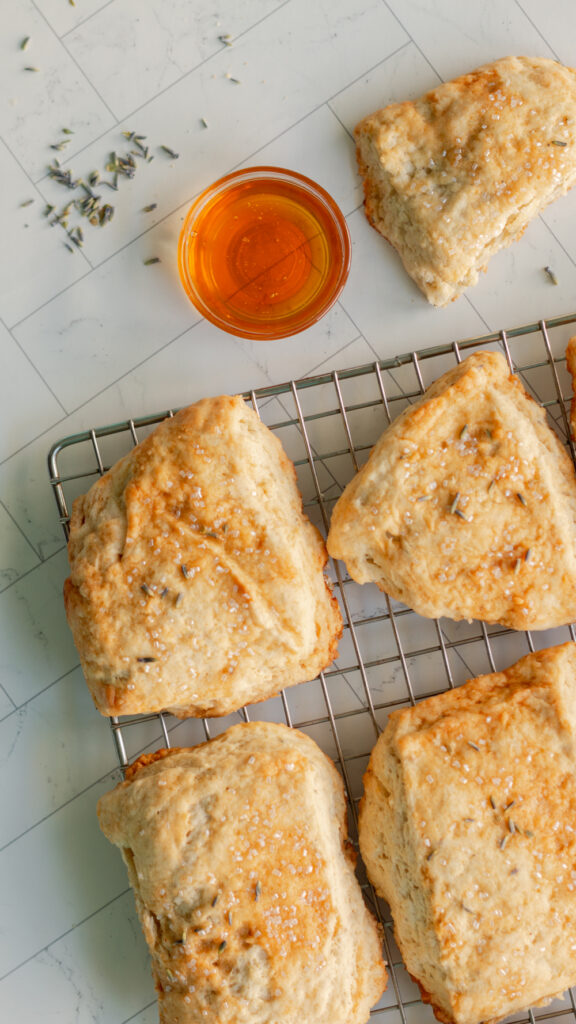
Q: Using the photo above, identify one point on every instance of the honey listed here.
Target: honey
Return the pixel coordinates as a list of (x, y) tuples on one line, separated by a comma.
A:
[(264, 253)]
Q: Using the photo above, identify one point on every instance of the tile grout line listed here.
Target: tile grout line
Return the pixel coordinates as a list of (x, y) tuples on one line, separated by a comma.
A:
[(35, 185), (24, 704), (117, 122), (27, 539), (360, 334), (536, 29), (101, 392), (390, 371), (232, 167), (478, 314), (138, 1012), (86, 19), (33, 439), (335, 482), (207, 59), (368, 71), (556, 239), (287, 411), (17, 160), (56, 810), (97, 266), (8, 697), (379, 357), (411, 37), (239, 36), (56, 295), (358, 337), (270, 141), (95, 782), (325, 102), (161, 220), (34, 367), (347, 130), (64, 934), (166, 88), (275, 138), (43, 561), (73, 59), (136, 366), (116, 381), (170, 213)]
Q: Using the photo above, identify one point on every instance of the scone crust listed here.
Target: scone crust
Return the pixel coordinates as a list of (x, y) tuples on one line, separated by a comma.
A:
[(196, 581), (244, 883), (456, 175), (466, 507), (468, 829)]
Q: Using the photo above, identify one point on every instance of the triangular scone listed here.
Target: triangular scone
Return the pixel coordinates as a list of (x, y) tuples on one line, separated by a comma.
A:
[(466, 507), (468, 829), (196, 581), (452, 177), (244, 881)]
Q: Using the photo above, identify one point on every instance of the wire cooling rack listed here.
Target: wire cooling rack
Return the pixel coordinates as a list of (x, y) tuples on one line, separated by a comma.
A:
[(388, 656)]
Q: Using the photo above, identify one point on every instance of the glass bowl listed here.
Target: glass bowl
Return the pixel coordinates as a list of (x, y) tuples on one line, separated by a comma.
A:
[(264, 252)]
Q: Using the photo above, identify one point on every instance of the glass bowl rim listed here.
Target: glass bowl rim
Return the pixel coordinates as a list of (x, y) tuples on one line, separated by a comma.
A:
[(264, 172)]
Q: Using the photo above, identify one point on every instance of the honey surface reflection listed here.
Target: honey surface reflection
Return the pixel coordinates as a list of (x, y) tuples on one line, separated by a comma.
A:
[(260, 258)]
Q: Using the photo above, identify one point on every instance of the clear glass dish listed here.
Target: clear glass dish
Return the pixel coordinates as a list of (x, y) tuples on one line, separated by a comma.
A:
[(264, 252)]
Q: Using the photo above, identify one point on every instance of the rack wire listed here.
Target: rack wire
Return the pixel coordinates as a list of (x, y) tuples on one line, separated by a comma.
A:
[(388, 656)]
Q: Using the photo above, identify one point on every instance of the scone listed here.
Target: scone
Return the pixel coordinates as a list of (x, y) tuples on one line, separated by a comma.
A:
[(466, 507), (468, 829), (244, 881), (196, 581), (456, 175)]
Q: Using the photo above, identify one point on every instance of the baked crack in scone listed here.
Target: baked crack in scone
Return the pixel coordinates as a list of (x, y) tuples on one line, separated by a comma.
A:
[(468, 829), (196, 581), (456, 175), (244, 881), (466, 507)]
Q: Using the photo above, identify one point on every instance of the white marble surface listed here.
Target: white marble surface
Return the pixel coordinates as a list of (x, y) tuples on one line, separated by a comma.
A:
[(96, 336)]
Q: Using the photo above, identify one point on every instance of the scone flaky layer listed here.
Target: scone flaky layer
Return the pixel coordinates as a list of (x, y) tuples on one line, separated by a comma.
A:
[(466, 507), (468, 829), (244, 883), (196, 581), (456, 175)]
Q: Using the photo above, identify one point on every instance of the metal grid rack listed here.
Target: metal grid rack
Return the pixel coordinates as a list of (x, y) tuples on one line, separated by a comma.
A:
[(388, 656)]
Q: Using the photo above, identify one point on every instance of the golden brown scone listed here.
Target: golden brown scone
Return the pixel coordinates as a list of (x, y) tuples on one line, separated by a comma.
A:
[(468, 829), (466, 507), (453, 177), (244, 882), (196, 581)]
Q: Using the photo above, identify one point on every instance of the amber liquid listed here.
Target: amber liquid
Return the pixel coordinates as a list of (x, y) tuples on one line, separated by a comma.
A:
[(262, 254)]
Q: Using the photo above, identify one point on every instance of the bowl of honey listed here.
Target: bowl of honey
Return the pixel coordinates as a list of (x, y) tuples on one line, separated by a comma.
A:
[(264, 252)]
